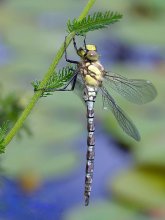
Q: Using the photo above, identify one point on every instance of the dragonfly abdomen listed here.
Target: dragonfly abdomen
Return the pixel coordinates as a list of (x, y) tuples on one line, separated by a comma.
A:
[(89, 97)]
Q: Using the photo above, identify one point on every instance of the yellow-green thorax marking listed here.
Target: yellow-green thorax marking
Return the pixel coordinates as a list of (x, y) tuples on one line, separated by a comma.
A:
[(91, 69)]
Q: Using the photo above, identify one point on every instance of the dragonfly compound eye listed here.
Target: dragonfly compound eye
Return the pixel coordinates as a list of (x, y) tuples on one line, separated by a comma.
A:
[(92, 55)]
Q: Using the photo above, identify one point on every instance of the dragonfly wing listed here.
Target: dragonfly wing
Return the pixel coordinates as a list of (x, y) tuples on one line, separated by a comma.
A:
[(125, 123), (134, 90), (79, 87)]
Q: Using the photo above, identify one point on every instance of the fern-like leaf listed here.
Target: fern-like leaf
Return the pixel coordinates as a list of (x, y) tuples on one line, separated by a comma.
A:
[(93, 22), (56, 81), (3, 131)]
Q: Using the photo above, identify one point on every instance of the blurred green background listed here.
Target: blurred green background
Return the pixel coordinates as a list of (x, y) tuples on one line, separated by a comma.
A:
[(37, 171)]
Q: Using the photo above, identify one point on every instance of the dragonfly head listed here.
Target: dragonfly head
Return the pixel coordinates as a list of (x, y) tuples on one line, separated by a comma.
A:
[(90, 52)]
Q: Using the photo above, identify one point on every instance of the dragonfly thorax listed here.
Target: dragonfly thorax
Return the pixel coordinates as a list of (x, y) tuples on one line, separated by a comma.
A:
[(92, 72)]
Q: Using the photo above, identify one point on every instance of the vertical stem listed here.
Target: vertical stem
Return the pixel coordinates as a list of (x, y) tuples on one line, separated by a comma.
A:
[(49, 73), (86, 9)]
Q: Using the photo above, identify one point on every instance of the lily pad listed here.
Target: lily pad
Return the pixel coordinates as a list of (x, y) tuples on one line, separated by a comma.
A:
[(151, 152), (103, 211), (43, 159), (141, 188)]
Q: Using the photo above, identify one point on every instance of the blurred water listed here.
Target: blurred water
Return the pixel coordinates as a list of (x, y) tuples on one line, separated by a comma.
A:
[(117, 51), (5, 53), (56, 196)]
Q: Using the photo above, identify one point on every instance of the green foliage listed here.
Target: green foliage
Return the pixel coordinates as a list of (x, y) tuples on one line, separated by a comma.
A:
[(93, 22), (11, 107), (56, 81)]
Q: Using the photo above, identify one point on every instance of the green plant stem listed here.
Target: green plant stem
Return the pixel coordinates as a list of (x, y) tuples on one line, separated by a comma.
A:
[(49, 73)]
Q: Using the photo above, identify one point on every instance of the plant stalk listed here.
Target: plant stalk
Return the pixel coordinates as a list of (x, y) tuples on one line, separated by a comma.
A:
[(47, 76)]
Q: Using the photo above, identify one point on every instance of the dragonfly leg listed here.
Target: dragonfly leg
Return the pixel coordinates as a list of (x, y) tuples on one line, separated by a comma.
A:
[(72, 81), (66, 57), (85, 43), (74, 44)]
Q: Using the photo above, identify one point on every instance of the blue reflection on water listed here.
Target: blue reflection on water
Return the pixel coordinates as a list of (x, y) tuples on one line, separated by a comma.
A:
[(5, 54), (56, 196), (117, 51)]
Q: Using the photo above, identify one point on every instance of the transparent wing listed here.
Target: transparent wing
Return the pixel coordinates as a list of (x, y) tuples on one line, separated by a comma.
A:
[(134, 90), (125, 123), (79, 87)]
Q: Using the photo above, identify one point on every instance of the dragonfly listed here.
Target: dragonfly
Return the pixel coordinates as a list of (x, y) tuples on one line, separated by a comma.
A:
[(90, 78)]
